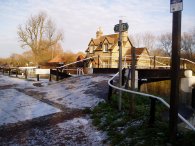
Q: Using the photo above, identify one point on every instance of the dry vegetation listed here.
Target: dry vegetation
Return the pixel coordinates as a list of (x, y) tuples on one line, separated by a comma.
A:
[(41, 36), (27, 58)]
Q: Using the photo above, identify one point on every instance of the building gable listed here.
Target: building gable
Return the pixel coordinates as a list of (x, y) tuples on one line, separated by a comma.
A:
[(106, 46), (91, 43)]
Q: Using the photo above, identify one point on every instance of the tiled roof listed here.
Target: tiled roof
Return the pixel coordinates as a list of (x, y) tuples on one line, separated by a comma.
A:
[(138, 51), (96, 41), (112, 39), (57, 59), (87, 50), (80, 57)]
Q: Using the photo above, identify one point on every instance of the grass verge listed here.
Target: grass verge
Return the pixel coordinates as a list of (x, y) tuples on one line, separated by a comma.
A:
[(124, 129)]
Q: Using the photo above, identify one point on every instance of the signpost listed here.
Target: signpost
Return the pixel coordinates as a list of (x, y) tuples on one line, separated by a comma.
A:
[(121, 27), (176, 5), (124, 27), (176, 8)]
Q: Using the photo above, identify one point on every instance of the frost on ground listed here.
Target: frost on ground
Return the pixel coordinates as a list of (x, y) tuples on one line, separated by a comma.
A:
[(77, 92), (78, 131), (31, 99), (16, 106)]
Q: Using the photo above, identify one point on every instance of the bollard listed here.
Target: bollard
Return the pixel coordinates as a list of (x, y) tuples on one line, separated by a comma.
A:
[(57, 75), (50, 75), (193, 98), (16, 73), (110, 91), (25, 73), (37, 77), (152, 112), (128, 78), (9, 71)]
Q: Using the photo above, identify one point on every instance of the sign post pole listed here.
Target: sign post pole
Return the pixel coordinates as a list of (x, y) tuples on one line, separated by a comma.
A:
[(121, 27), (176, 7), (120, 63)]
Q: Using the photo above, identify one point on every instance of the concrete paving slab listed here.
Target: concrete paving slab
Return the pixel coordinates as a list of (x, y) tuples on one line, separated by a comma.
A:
[(16, 106), (6, 118)]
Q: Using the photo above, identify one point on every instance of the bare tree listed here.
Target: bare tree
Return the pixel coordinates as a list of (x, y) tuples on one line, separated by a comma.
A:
[(56, 50), (136, 39), (18, 60), (148, 40), (39, 33), (165, 41), (188, 44)]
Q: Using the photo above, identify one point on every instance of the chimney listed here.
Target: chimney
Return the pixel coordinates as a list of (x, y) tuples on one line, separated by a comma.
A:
[(99, 33)]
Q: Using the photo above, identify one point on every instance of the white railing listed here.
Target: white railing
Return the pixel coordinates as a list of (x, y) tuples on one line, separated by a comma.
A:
[(188, 61), (126, 58), (79, 71), (76, 62), (152, 96)]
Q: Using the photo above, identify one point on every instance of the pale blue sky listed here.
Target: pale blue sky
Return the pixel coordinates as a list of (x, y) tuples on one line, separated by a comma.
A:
[(79, 19)]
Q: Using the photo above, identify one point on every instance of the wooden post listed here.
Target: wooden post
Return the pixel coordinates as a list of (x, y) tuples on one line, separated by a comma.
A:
[(110, 91), (25, 73), (152, 111), (120, 64), (193, 98), (133, 63), (98, 61), (9, 71), (183, 63), (57, 75), (154, 62), (150, 62), (123, 76), (128, 78), (37, 77), (175, 78), (50, 75), (16, 72)]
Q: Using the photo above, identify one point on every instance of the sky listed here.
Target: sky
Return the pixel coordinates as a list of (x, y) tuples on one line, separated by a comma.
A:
[(79, 20)]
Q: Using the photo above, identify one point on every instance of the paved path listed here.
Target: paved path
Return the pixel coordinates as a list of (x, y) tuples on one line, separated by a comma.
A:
[(16, 106), (65, 101)]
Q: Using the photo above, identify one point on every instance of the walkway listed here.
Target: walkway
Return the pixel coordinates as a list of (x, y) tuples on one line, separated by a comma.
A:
[(65, 101)]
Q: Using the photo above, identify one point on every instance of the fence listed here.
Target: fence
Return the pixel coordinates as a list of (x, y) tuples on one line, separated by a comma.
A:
[(153, 100), (143, 61)]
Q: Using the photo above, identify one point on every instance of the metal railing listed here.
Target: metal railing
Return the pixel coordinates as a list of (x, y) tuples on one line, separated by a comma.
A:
[(152, 61), (152, 96), (63, 66)]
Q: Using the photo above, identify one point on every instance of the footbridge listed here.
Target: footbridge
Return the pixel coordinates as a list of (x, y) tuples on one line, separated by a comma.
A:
[(149, 68)]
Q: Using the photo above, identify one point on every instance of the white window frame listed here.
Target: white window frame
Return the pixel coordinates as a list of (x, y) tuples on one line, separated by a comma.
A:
[(91, 49), (105, 47)]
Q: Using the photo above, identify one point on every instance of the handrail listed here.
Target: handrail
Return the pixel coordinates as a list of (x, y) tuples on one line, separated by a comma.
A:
[(129, 57), (188, 60), (76, 62), (152, 96)]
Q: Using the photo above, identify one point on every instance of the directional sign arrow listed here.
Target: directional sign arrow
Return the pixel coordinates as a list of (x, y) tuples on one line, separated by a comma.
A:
[(124, 27)]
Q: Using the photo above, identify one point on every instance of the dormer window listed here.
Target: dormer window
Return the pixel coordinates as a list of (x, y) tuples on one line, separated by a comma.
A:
[(105, 48), (91, 49)]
